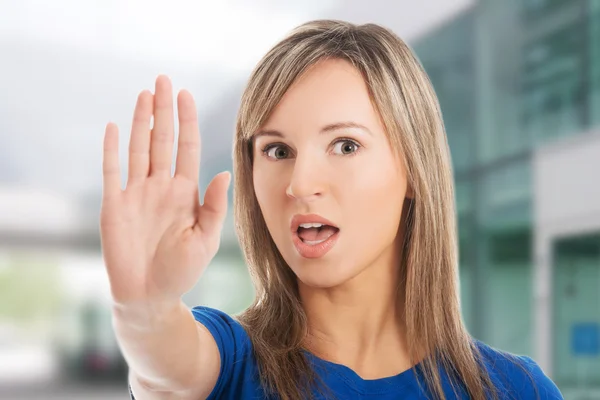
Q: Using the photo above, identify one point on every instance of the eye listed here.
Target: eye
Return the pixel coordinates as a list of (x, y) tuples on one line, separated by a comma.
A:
[(276, 151), (345, 147)]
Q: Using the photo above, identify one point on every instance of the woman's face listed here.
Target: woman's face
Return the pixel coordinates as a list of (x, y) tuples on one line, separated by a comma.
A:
[(323, 157)]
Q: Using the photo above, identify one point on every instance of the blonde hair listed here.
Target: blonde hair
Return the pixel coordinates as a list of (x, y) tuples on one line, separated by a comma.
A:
[(409, 109)]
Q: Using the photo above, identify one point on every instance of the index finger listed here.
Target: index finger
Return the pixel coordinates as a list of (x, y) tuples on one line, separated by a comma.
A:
[(188, 144)]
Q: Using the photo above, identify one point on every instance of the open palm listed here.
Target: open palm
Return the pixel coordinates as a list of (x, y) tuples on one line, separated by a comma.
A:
[(157, 238)]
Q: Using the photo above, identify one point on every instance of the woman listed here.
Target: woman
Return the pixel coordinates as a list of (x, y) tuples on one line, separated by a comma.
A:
[(344, 207)]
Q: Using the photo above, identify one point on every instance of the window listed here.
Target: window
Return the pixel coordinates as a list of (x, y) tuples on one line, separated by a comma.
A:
[(533, 9), (553, 89)]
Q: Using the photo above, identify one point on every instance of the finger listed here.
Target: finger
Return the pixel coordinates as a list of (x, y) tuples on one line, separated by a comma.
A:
[(161, 143), (188, 146), (214, 210), (139, 144), (111, 174)]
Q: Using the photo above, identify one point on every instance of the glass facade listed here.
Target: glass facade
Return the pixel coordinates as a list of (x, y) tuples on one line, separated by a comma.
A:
[(530, 73), (448, 57), (594, 57), (554, 82), (497, 50), (576, 318)]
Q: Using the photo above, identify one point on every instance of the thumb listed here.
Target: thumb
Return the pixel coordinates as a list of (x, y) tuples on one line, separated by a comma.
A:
[(214, 210)]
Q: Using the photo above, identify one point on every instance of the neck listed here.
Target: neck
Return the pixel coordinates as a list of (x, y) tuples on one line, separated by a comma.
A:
[(359, 324)]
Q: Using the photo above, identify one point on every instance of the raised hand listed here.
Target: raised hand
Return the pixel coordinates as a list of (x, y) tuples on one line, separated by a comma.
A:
[(156, 237)]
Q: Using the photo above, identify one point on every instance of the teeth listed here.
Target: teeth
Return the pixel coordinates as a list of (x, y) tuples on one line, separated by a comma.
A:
[(311, 225), (313, 242)]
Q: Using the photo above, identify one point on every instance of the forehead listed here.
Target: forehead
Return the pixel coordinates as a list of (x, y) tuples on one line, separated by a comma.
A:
[(330, 91)]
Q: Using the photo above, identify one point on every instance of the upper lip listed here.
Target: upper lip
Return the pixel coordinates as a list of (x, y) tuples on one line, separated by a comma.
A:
[(308, 218)]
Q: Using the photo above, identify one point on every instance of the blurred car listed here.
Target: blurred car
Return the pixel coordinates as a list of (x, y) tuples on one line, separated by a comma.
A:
[(86, 346)]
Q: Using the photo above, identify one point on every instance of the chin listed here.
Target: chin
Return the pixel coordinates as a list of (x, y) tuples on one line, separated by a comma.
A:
[(322, 276), (316, 282)]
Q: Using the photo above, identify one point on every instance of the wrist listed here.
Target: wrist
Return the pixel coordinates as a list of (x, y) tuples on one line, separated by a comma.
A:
[(148, 314)]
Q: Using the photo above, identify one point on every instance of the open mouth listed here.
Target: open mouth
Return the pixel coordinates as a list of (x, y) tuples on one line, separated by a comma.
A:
[(315, 233), (313, 236)]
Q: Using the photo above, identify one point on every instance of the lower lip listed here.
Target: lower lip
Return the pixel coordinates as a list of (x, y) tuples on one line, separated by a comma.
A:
[(316, 250)]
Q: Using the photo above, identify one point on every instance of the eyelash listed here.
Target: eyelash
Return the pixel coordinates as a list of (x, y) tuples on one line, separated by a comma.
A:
[(269, 146)]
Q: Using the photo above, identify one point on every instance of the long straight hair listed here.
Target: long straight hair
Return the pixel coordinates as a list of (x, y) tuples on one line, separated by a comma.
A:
[(403, 95)]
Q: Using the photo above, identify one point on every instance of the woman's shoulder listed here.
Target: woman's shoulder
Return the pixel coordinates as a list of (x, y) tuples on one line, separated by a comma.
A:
[(215, 316), (227, 331), (238, 373), (517, 376)]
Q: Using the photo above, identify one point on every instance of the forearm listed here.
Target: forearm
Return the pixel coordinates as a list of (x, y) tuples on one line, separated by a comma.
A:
[(161, 344)]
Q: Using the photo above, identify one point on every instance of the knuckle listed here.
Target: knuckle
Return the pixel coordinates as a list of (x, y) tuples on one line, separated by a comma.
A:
[(188, 145)]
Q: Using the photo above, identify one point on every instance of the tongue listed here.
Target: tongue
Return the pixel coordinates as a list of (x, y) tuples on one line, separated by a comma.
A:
[(316, 234)]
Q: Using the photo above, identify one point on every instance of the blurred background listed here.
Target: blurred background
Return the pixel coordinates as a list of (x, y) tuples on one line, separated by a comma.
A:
[(519, 86)]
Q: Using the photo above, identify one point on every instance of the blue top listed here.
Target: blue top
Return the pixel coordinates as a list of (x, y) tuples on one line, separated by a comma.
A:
[(238, 378)]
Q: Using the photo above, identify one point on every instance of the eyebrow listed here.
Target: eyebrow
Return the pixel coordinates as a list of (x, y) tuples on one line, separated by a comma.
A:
[(326, 129)]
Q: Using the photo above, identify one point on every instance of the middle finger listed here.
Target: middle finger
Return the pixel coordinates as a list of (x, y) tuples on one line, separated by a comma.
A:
[(161, 147)]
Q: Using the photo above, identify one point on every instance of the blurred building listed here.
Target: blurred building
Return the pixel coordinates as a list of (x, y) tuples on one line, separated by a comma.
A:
[(519, 87)]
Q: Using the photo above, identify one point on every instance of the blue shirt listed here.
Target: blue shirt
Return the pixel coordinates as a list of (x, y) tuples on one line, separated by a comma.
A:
[(238, 377)]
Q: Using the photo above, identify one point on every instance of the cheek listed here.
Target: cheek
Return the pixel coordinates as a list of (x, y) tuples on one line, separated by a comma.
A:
[(377, 198), (269, 191), (261, 189)]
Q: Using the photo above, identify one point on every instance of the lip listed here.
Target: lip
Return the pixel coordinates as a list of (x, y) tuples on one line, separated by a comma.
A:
[(307, 218), (317, 250)]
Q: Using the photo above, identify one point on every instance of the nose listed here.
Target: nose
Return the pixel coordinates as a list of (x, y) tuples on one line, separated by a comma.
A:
[(307, 182)]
